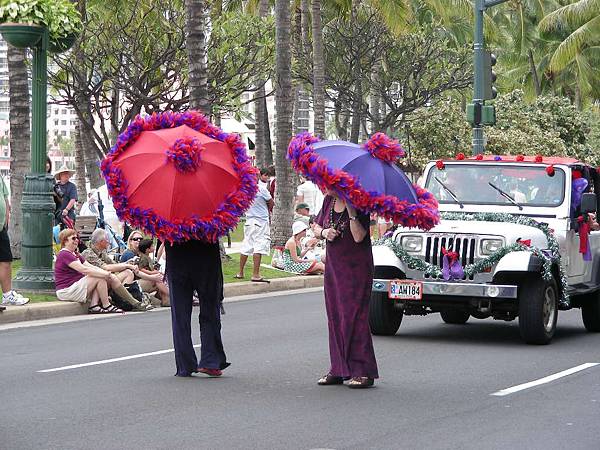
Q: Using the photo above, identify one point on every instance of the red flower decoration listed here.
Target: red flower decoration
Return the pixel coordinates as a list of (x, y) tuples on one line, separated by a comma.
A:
[(460, 156), (538, 158), (577, 174), (520, 158), (550, 170), (598, 169), (479, 157), (526, 242), (439, 164)]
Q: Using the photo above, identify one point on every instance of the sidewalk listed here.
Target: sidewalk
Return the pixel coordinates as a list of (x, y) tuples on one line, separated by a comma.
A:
[(49, 310)]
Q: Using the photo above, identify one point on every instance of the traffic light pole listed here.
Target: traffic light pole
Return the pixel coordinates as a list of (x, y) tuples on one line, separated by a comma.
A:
[(478, 59)]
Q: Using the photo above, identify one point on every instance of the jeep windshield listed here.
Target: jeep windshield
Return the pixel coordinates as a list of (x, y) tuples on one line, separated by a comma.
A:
[(512, 185)]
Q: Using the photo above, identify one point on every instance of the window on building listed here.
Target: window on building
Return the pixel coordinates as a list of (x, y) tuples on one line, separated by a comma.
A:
[(56, 112), (63, 111), (63, 122), (63, 133), (56, 122)]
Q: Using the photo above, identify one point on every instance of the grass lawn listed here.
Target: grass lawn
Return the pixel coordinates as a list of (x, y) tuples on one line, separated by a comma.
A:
[(229, 270), (237, 235)]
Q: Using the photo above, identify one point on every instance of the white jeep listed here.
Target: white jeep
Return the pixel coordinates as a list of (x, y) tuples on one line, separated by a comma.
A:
[(514, 227)]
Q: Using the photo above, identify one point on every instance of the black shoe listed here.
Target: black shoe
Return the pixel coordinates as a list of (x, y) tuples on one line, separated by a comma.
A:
[(2, 308)]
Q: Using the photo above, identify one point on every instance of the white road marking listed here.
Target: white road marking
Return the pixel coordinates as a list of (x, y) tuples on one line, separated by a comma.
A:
[(548, 379), (108, 361)]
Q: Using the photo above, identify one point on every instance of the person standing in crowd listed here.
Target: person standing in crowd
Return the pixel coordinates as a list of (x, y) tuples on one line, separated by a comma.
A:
[(309, 193), (257, 232), (196, 266), (97, 255), (69, 191), (348, 280), (9, 296)]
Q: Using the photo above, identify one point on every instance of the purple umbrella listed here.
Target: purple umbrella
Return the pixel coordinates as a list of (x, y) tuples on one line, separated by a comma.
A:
[(373, 174), (366, 176)]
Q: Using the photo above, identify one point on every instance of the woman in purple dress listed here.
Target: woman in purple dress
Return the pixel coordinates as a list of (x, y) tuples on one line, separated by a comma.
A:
[(348, 280)]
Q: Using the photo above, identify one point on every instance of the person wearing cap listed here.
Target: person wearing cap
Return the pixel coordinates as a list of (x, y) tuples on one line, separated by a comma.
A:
[(292, 253), (302, 213), (69, 191)]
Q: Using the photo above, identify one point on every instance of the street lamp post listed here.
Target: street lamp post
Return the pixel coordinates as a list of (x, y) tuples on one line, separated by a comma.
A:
[(478, 75), (37, 202)]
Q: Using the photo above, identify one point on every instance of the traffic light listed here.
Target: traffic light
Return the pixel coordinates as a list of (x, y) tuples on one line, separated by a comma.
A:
[(489, 76)]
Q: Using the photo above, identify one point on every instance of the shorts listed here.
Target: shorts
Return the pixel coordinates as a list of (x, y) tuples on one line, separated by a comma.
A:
[(147, 286), (5, 253), (383, 221), (77, 292), (257, 238)]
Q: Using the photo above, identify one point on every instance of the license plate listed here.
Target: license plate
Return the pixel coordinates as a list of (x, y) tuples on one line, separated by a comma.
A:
[(405, 290)]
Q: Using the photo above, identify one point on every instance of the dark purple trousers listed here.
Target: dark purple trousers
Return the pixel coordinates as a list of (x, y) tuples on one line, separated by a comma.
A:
[(196, 266)]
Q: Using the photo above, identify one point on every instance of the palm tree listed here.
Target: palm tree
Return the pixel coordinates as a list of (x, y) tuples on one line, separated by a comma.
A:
[(284, 194), (196, 43), (318, 70), (20, 140), (578, 52)]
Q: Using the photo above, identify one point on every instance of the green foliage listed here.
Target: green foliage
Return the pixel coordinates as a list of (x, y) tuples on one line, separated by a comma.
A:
[(60, 16), (550, 126)]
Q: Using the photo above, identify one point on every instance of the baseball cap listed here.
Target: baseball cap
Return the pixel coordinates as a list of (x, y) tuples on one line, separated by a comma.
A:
[(302, 206)]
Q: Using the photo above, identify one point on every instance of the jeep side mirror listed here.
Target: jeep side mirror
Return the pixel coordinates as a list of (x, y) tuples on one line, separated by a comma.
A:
[(588, 203)]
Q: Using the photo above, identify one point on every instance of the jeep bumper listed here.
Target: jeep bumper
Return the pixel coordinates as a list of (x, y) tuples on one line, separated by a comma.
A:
[(489, 291)]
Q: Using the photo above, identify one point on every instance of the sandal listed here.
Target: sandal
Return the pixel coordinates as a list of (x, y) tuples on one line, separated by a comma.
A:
[(111, 309), (238, 277), (259, 280), (330, 380), (361, 383), (96, 309)]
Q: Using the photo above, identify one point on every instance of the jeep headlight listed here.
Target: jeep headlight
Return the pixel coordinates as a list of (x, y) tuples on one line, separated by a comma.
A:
[(411, 243), (489, 246)]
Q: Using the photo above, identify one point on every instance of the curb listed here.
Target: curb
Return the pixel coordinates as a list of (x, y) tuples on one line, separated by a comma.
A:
[(50, 310)]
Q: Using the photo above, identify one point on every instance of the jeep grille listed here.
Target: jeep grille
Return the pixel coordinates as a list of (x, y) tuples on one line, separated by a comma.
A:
[(463, 245)]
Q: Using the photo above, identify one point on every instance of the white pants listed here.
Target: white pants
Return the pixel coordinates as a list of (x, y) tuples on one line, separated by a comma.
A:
[(257, 238)]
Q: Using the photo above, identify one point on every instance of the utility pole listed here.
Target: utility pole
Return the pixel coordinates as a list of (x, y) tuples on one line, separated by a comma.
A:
[(478, 113)]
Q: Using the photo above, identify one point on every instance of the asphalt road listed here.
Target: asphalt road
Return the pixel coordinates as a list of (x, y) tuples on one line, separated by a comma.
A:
[(434, 391)]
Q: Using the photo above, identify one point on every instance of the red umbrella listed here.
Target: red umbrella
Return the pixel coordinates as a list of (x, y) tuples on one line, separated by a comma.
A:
[(178, 177)]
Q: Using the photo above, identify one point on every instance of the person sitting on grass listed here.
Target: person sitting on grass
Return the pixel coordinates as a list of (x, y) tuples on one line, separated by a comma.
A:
[(146, 266), (292, 253), (97, 255), (150, 281), (78, 281)]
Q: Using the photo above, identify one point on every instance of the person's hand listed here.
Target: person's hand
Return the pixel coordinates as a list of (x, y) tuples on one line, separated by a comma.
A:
[(157, 277), (65, 212), (133, 268), (330, 234), (311, 243), (107, 276)]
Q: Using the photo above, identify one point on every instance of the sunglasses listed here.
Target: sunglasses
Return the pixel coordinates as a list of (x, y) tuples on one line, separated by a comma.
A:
[(136, 239), (74, 238)]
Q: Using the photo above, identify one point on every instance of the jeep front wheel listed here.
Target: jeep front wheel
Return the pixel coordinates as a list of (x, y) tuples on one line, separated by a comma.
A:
[(538, 310), (590, 312), (384, 318), (454, 317)]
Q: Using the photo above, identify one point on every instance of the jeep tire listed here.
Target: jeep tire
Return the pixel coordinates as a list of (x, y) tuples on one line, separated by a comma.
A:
[(590, 312), (384, 318), (538, 309), (454, 316)]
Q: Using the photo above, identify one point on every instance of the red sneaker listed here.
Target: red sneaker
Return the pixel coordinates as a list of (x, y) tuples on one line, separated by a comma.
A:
[(210, 372)]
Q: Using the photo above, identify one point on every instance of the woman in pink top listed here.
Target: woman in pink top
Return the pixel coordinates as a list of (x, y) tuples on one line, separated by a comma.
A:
[(77, 280)]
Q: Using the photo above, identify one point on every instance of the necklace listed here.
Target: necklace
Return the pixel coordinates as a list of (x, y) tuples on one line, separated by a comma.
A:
[(340, 225)]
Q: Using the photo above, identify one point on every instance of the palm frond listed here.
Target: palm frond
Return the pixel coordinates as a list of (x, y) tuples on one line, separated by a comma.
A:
[(571, 15), (572, 45)]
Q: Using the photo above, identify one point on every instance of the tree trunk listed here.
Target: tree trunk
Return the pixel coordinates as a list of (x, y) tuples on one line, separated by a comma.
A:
[(195, 24), (375, 100), (534, 75), (263, 156), (92, 167), (80, 162), (20, 141), (356, 73), (284, 194), (318, 71)]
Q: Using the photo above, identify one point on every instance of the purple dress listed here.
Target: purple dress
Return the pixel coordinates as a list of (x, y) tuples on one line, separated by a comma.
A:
[(348, 283)]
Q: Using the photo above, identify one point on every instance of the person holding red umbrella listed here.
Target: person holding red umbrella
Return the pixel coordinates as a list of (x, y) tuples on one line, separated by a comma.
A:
[(357, 180), (179, 178)]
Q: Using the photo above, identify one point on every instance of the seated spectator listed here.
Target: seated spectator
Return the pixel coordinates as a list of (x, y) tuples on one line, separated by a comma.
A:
[(150, 280), (97, 256), (293, 255), (302, 213), (78, 281)]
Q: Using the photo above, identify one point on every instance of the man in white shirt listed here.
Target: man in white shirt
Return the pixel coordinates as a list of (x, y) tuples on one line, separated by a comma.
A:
[(257, 232), (309, 193)]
